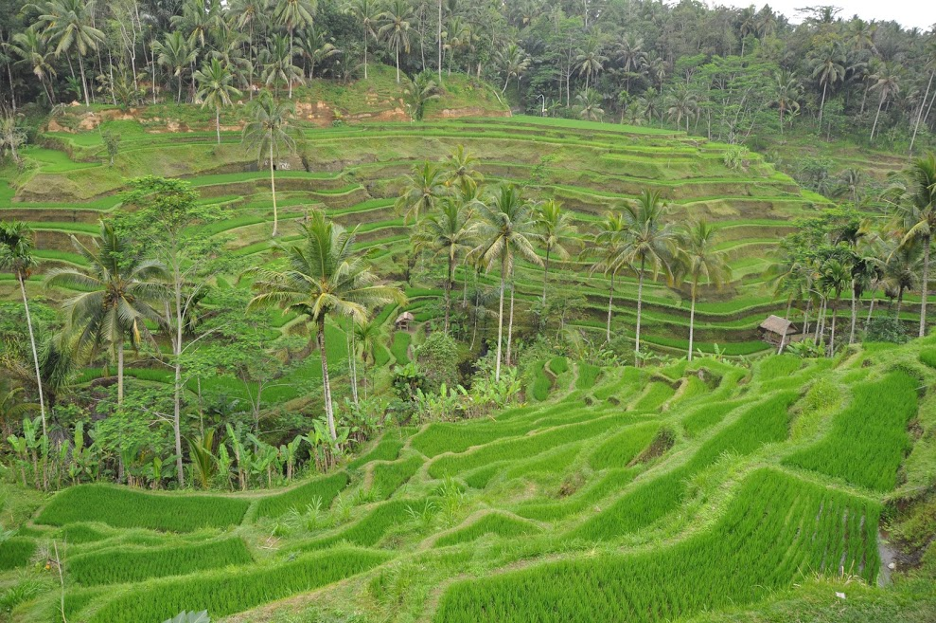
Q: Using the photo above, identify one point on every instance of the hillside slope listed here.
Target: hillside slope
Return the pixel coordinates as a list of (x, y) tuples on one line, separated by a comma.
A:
[(695, 490)]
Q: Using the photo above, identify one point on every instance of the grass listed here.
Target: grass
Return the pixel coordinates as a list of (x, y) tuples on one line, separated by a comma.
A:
[(387, 478), (622, 449), (388, 449), (16, 552), (758, 546), (587, 376), (224, 593), (490, 524), (867, 441), (321, 489), (124, 508), (124, 565)]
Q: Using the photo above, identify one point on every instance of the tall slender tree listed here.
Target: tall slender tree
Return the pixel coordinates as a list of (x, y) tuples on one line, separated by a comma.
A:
[(556, 228), (16, 256), (699, 259), (323, 278), (395, 29), (69, 24), (119, 291), (918, 216), (270, 133), (507, 230), (215, 89)]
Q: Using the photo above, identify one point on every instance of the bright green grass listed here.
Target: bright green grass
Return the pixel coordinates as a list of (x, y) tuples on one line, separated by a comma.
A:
[(388, 449), (124, 565), (321, 489), (497, 524), (124, 508), (621, 449), (559, 364), (16, 552), (777, 529), (400, 346), (657, 393), (587, 375), (369, 530), (389, 477), (707, 416), (224, 593), (869, 439), (542, 384)]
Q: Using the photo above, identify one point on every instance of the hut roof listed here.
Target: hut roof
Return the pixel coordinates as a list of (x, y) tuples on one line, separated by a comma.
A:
[(777, 325), (406, 316)]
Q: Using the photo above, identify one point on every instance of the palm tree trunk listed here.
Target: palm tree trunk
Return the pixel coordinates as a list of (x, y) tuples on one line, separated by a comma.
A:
[(825, 85), (640, 279), (500, 318), (916, 126), (878, 114), (84, 84), (832, 336), (440, 41), (120, 370), (610, 303), (398, 63), (692, 321), (870, 312), (925, 287), (326, 383), (448, 290), (273, 190), (32, 343), (510, 317), (545, 274), (900, 292), (218, 122), (352, 364), (365, 52), (806, 317), (854, 314)]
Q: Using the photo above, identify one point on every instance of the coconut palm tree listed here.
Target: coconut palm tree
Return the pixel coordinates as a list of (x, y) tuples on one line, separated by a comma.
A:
[(215, 89), (395, 29), (836, 276), (421, 191), (418, 92), (323, 277), (30, 46), (270, 133), (828, 67), (887, 81), (69, 24), (786, 94), (556, 228), (366, 336), (608, 242), (649, 240), (590, 61), (918, 214), (683, 102), (16, 247), (698, 260), (119, 291), (367, 13), (278, 67), (316, 47), (463, 171), (450, 232), (589, 105), (513, 61), (293, 14), (175, 53), (507, 229)]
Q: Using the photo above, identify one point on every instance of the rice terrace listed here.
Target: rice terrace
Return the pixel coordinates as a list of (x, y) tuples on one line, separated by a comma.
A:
[(359, 310)]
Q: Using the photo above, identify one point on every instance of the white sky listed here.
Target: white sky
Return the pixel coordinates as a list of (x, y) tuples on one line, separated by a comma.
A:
[(908, 13)]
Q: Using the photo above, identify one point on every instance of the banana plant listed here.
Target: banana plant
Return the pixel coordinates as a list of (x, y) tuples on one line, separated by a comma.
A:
[(22, 453), (289, 454), (203, 460), (240, 455)]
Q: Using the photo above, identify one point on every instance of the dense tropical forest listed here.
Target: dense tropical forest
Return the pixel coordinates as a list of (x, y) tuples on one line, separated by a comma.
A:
[(450, 311)]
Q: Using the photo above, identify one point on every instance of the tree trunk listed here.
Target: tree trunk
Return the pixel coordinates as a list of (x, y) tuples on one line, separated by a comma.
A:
[(365, 51), (500, 318), (84, 84), (610, 303), (448, 290), (825, 85), (326, 383), (440, 41), (273, 190), (545, 274), (32, 343), (878, 114), (640, 279), (916, 126), (510, 319), (692, 321), (854, 314), (832, 336), (925, 285), (120, 370), (398, 63), (218, 122), (177, 389), (870, 312)]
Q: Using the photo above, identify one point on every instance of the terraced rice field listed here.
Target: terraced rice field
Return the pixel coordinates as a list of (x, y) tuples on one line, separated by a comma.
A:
[(616, 502), (355, 173)]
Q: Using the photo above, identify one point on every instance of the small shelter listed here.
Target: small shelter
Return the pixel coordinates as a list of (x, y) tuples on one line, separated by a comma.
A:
[(777, 331), (403, 321)]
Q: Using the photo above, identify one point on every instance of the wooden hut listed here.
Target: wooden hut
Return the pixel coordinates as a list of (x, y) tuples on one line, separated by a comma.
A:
[(403, 321), (777, 331)]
